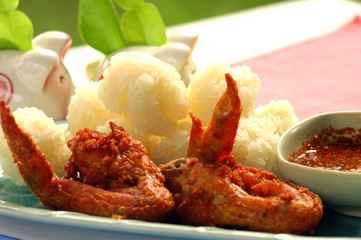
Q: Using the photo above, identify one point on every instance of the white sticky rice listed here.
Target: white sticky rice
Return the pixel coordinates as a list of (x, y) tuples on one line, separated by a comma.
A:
[(86, 110), (258, 135), (152, 103), (149, 100), (208, 85), (48, 136), (146, 90)]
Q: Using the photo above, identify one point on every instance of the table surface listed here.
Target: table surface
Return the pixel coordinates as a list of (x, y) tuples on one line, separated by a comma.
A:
[(233, 38)]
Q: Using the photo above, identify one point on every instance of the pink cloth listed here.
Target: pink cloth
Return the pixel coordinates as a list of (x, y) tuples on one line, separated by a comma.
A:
[(318, 75)]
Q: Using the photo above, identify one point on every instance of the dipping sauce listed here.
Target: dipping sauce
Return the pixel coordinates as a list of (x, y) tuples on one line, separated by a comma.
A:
[(335, 149)]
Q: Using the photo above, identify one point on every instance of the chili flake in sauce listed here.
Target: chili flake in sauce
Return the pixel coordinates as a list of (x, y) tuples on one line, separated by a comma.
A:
[(336, 149)]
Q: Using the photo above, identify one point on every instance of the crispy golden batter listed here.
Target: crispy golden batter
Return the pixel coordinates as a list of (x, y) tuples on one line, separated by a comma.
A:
[(109, 161), (211, 188)]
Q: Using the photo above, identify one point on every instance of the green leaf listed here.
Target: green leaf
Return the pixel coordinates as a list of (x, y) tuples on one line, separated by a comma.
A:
[(129, 4), (6, 44), (16, 31), (99, 25), (8, 5), (143, 26)]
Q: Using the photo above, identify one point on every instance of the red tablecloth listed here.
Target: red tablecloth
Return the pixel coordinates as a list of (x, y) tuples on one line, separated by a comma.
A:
[(318, 75)]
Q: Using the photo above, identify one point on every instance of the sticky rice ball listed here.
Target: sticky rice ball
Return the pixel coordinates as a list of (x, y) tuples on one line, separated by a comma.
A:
[(48, 136), (259, 128), (258, 135), (282, 113), (248, 85), (146, 90), (256, 143), (208, 85), (86, 110), (172, 146)]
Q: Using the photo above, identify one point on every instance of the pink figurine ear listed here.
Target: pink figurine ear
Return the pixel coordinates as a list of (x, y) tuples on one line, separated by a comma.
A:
[(56, 41)]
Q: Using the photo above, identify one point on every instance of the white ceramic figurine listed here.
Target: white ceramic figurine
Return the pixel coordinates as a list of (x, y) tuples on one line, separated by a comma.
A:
[(177, 52), (38, 77)]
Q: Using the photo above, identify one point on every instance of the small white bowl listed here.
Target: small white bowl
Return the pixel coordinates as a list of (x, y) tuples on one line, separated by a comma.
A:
[(339, 190)]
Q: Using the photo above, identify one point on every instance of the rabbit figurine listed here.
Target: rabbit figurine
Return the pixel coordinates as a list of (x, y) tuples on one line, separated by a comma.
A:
[(38, 77)]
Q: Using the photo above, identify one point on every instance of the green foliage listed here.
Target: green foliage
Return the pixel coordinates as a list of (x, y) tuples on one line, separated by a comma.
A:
[(16, 29), (143, 26), (129, 4), (100, 26), (8, 5)]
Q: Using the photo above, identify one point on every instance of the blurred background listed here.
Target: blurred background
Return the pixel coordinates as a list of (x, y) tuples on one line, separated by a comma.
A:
[(62, 14)]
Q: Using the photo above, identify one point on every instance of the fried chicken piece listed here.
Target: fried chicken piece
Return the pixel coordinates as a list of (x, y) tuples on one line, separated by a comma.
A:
[(140, 193), (211, 188), (109, 160)]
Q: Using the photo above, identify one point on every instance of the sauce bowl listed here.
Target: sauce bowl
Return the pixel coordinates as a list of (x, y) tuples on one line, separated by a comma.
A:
[(340, 190)]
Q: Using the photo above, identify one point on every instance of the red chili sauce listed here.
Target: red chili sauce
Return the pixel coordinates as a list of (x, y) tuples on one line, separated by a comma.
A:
[(336, 149)]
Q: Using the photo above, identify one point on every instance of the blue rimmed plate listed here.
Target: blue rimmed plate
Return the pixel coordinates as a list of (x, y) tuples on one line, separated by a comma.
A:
[(23, 216)]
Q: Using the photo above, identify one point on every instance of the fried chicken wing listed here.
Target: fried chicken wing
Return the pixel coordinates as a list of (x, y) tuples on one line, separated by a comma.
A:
[(211, 188), (109, 161), (116, 177)]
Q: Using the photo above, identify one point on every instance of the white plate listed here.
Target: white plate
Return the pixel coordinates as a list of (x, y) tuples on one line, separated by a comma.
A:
[(31, 220), (64, 224)]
